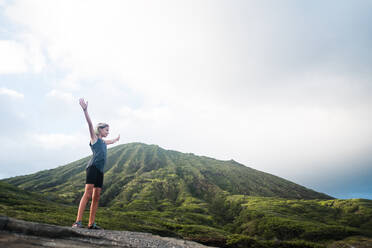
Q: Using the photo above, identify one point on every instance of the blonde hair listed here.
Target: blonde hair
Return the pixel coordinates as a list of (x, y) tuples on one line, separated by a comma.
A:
[(100, 125)]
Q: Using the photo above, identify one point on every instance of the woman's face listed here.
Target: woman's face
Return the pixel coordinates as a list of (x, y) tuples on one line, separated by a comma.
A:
[(104, 131)]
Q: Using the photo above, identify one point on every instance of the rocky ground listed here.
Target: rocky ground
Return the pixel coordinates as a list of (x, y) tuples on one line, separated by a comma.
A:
[(352, 242), (25, 234)]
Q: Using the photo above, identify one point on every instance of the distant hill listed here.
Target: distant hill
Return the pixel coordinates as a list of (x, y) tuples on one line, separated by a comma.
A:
[(136, 171)]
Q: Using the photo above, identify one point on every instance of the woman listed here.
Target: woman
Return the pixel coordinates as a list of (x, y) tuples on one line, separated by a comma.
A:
[(94, 169)]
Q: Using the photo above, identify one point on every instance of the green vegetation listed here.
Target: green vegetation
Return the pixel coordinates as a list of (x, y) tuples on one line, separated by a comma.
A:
[(221, 203)]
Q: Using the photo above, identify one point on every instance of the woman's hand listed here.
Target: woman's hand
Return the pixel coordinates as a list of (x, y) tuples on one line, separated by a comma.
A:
[(117, 139), (83, 104)]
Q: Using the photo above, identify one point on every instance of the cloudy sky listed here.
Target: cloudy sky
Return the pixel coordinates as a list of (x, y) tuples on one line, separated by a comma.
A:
[(281, 86)]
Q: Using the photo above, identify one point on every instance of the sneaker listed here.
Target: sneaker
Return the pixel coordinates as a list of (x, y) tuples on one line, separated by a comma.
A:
[(78, 224), (94, 226)]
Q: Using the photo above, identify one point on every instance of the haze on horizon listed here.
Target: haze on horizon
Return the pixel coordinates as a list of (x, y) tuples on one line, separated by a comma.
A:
[(282, 87)]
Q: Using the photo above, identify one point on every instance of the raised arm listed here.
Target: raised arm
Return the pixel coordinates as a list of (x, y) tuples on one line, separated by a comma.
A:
[(85, 108), (108, 142)]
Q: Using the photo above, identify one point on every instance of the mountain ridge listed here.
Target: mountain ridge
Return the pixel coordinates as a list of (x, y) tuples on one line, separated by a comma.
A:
[(139, 163)]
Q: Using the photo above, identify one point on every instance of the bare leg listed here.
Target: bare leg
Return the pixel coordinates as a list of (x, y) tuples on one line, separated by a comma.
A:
[(94, 205), (84, 200)]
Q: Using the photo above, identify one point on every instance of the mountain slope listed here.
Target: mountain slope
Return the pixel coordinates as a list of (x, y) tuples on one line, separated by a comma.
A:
[(214, 202), (236, 221), (148, 176)]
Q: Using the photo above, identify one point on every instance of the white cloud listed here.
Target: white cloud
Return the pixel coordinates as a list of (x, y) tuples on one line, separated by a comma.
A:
[(56, 141), (12, 57), (153, 114), (35, 58), (21, 57), (64, 96), (11, 93), (70, 82), (185, 57)]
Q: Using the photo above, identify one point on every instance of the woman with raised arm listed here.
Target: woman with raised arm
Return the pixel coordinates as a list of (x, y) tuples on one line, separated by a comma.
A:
[(94, 169)]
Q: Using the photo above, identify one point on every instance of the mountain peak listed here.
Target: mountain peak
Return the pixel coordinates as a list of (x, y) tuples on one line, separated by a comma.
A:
[(137, 170)]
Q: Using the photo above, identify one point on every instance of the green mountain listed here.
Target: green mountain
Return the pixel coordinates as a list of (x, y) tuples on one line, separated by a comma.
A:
[(215, 202), (137, 171)]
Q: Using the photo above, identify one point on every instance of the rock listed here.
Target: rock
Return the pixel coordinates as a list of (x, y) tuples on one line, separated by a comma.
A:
[(20, 233)]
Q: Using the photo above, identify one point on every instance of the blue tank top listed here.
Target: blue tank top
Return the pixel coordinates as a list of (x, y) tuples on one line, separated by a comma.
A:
[(99, 150)]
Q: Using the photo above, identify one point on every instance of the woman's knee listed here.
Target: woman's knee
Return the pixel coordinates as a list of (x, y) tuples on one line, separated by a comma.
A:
[(88, 194), (96, 194), (88, 191)]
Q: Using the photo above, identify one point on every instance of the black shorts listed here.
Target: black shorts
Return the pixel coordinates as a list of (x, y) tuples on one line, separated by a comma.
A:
[(94, 176)]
